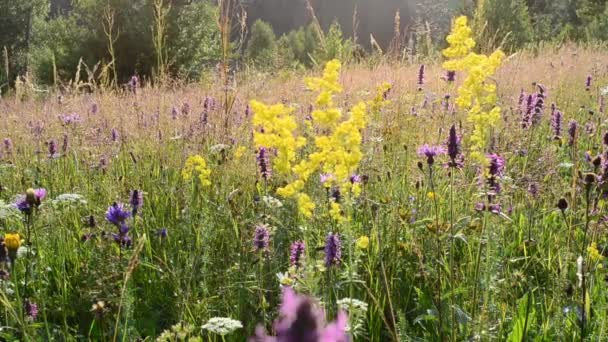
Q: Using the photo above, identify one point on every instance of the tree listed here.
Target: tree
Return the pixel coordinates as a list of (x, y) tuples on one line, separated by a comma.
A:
[(504, 22), (262, 46)]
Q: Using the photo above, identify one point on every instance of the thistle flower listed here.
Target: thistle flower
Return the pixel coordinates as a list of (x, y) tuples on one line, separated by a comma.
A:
[(430, 152), (261, 237), (420, 77), (264, 163), (136, 200), (301, 320), (116, 214), (333, 250), (450, 76), (31, 309), (32, 198), (572, 132), (588, 83), (296, 253), (453, 149)]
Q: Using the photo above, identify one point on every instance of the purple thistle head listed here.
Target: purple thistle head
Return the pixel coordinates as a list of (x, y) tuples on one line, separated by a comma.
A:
[(70, 119), (572, 131), (556, 123), (52, 149), (420, 77), (430, 152), (453, 148), (588, 83), (31, 309), (356, 178), (261, 237), (136, 200), (296, 253), (264, 163), (116, 214), (333, 250), (32, 199)]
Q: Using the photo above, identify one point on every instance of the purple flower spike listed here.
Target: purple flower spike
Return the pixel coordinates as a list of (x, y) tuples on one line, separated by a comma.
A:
[(333, 250), (264, 163), (421, 77), (136, 201), (296, 253), (261, 237), (588, 83), (117, 215)]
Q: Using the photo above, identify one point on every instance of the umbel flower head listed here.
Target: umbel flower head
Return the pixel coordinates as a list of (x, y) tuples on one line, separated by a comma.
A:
[(222, 325), (301, 320)]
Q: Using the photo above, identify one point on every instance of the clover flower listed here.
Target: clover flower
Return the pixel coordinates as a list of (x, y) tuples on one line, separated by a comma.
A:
[(222, 325)]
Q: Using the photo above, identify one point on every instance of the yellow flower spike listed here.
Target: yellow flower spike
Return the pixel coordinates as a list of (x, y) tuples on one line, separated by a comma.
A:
[(363, 242), (594, 253), (196, 165), (12, 241)]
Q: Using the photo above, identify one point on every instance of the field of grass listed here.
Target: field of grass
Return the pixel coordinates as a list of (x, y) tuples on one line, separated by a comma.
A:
[(415, 247)]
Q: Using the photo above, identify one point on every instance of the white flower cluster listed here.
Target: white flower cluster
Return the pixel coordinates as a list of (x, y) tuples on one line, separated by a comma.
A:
[(351, 304), (219, 148), (178, 332), (69, 199), (272, 202), (222, 325), (356, 314)]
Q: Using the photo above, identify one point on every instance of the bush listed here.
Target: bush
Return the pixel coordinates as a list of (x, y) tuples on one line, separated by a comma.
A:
[(262, 46)]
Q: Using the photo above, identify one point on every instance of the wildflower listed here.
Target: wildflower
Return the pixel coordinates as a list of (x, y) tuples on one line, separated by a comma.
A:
[(430, 152), (94, 108), (556, 123), (335, 211), (431, 195), (115, 135), (32, 199), (123, 238), (326, 179), (31, 309), (533, 189), (450, 76), (70, 119), (99, 308), (572, 132), (302, 320), (333, 250), (8, 146), (116, 214), (196, 165), (588, 83), (52, 149), (133, 84), (453, 149), (285, 279), (594, 254), (136, 201), (162, 233), (363, 242), (12, 241), (562, 204), (261, 237), (296, 253), (272, 202), (420, 77), (263, 163), (239, 152), (222, 325), (3, 250), (91, 222), (305, 205)]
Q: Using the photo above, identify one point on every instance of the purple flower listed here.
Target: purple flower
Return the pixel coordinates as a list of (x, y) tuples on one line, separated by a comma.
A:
[(430, 152), (133, 84), (420, 77), (247, 111), (556, 123), (8, 146), (301, 320), (296, 253), (453, 149), (32, 198), (261, 237), (588, 83), (185, 109), (533, 189), (450, 76), (496, 165), (116, 214), (333, 250), (326, 177), (572, 128), (52, 149), (356, 178), (136, 200), (162, 233), (115, 135), (264, 163), (70, 119), (94, 108), (31, 309)]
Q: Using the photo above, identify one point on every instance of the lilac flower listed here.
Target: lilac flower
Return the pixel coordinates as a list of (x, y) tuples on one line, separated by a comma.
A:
[(264, 163), (588, 83), (430, 152), (136, 200), (116, 214), (94, 108), (453, 149), (133, 84), (261, 237), (572, 128), (31, 309), (421, 77), (296, 253), (497, 164), (356, 178), (123, 238), (70, 119), (333, 250), (533, 189), (301, 320)]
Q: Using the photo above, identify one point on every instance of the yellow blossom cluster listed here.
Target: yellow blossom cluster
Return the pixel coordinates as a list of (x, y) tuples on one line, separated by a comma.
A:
[(475, 95), (379, 100), (275, 128), (196, 165), (594, 253)]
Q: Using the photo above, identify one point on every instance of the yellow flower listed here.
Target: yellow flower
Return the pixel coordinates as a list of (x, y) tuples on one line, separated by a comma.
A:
[(12, 241), (363, 242), (430, 195), (196, 165), (239, 152), (306, 205), (335, 212), (594, 254)]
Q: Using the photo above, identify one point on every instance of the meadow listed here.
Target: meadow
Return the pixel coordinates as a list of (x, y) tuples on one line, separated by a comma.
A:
[(402, 211)]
